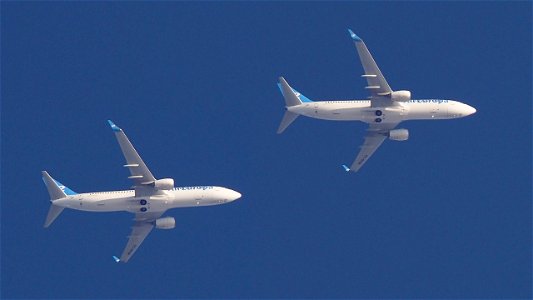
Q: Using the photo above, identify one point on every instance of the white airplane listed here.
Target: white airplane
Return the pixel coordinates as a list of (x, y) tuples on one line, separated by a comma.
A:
[(149, 199), (383, 112)]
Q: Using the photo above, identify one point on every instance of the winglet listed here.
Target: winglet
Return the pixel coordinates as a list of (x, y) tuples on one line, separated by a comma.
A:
[(116, 259), (346, 168), (113, 126), (354, 36)]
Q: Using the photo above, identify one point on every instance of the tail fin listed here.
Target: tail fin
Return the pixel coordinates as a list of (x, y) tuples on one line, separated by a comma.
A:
[(292, 98), (56, 190)]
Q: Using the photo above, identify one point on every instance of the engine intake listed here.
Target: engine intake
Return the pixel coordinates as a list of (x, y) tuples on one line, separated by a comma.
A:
[(399, 134), (163, 184), (165, 223), (401, 96)]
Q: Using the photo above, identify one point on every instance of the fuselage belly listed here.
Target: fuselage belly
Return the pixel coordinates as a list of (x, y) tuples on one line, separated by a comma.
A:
[(361, 110), (127, 201)]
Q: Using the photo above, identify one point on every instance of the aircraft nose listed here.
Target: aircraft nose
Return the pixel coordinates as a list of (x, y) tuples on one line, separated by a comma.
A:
[(469, 110), (459, 110), (232, 195)]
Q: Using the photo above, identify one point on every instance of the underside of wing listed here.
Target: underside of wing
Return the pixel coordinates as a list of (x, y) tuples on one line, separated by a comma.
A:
[(377, 85), (375, 135), (140, 174), (141, 228)]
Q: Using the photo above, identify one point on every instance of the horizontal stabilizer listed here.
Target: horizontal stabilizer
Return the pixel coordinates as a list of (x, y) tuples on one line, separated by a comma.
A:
[(53, 213), (288, 118)]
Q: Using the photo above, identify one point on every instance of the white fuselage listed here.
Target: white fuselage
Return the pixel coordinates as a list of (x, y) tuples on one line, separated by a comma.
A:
[(361, 110), (162, 201)]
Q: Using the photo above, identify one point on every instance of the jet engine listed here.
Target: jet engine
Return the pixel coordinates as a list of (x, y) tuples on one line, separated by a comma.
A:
[(399, 134), (163, 184), (165, 223), (401, 96)]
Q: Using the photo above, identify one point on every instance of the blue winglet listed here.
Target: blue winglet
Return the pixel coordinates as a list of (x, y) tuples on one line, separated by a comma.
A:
[(280, 88), (113, 126), (116, 258), (346, 168), (354, 36)]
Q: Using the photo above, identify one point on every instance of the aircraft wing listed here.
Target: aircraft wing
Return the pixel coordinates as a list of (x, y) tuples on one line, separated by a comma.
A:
[(138, 169), (375, 135), (377, 85), (140, 230)]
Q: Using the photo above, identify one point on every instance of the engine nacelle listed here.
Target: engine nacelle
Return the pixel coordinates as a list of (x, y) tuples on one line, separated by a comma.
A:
[(399, 134), (165, 223), (163, 184), (401, 96)]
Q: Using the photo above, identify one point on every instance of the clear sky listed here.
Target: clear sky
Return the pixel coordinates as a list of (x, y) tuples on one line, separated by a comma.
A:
[(446, 214)]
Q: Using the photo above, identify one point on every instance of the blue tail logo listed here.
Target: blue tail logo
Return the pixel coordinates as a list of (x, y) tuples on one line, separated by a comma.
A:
[(300, 96), (65, 189)]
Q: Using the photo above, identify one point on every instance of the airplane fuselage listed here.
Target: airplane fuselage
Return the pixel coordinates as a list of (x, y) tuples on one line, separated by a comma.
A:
[(362, 110), (166, 199)]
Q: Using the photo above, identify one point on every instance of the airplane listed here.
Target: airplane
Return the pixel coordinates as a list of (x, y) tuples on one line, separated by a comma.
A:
[(148, 199), (384, 110)]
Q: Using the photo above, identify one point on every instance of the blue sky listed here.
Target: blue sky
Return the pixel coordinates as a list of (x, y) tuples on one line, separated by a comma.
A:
[(446, 214)]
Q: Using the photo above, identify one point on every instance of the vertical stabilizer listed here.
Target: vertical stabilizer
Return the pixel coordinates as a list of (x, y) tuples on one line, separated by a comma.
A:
[(292, 98), (56, 191)]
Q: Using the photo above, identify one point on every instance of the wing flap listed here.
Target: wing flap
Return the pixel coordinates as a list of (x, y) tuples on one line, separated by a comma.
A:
[(377, 85), (140, 174), (137, 236), (141, 228), (371, 144), (375, 136)]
